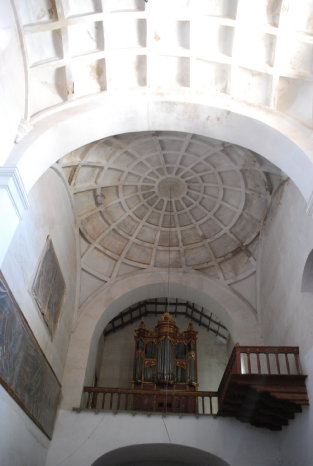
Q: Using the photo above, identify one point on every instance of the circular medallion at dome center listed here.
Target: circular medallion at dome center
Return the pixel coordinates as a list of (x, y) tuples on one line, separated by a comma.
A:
[(171, 188)]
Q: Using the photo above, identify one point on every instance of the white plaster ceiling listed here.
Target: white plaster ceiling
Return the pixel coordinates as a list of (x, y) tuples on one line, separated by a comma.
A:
[(259, 52), (155, 200)]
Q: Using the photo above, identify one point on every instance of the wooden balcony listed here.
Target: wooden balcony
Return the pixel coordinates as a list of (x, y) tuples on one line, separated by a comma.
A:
[(263, 386)]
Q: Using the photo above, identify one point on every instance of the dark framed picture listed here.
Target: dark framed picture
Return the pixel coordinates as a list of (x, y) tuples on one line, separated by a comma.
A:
[(48, 287), (24, 370)]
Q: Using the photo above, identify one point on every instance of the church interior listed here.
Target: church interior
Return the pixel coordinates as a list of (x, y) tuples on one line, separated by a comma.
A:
[(156, 232)]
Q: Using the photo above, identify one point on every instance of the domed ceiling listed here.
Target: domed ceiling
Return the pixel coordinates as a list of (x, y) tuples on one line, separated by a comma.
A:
[(165, 199)]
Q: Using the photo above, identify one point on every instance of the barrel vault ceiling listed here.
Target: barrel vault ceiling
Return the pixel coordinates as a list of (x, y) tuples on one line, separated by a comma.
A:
[(259, 52)]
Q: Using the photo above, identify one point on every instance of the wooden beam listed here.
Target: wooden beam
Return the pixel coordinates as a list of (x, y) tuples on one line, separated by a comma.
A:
[(179, 308)]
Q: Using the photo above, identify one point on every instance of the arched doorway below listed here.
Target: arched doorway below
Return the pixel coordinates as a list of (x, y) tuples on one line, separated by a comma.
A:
[(157, 455)]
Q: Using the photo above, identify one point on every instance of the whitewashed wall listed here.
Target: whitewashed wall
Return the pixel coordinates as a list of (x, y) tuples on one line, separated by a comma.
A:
[(49, 214), (287, 239), (286, 313), (82, 438), (21, 442), (12, 79)]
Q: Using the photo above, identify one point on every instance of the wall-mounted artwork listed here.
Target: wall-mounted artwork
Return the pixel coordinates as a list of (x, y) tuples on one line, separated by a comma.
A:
[(24, 370), (49, 287)]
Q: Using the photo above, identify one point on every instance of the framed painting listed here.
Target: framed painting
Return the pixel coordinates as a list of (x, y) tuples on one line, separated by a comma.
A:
[(24, 370), (48, 287)]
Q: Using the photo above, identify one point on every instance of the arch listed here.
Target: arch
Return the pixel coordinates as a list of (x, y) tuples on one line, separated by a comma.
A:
[(110, 300), (307, 277), (159, 453), (282, 141)]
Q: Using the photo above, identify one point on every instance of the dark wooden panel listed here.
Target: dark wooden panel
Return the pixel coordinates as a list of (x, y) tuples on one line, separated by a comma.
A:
[(264, 400)]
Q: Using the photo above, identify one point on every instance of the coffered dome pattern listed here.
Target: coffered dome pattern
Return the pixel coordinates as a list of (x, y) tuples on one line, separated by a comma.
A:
[(154, 200)]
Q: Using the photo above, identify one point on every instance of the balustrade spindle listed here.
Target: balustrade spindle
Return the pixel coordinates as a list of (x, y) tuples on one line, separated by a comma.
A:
[(249, 363), (287, 364), (258, 363), (277, 363), (268, 363), (297, 363), (238, 359)]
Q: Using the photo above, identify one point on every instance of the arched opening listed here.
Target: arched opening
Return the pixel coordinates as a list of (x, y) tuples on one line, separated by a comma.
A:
[(230, 309), (307, 277), (157, 455), (235, 313), (125, 361)]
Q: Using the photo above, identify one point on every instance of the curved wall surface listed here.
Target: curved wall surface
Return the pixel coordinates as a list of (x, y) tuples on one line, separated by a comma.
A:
[(84, 438)]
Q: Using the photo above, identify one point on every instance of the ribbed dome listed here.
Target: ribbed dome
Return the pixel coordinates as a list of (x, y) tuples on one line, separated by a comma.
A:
[(150, 200)]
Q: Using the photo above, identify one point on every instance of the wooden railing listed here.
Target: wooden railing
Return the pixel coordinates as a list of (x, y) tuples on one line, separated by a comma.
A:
[(122, 399), (265, 360), (244, 360), (281, 360)]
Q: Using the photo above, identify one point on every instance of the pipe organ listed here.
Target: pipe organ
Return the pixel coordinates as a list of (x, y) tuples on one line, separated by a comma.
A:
[(165, 361)]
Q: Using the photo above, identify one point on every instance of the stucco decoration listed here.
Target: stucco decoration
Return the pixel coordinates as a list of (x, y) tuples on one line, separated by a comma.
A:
[(138, 195), (49, 287), (24, 371)]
